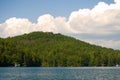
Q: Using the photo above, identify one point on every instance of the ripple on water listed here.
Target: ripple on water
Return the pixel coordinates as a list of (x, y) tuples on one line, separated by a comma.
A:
[(60, 73)]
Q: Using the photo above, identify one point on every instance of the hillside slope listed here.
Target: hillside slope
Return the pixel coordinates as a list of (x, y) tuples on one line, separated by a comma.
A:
[(48, 49)]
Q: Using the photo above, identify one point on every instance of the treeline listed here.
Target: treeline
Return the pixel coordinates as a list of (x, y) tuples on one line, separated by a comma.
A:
[(48, 49)]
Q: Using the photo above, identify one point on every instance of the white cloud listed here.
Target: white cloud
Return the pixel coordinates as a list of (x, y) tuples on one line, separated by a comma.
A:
[(103, 19), (15, 26), (48, 23), (117, 1)]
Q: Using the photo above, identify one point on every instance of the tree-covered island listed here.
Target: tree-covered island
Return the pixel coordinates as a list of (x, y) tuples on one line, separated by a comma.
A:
[(46, 49)]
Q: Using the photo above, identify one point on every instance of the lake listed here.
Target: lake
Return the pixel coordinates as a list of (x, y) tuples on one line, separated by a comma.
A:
[(59, 73)]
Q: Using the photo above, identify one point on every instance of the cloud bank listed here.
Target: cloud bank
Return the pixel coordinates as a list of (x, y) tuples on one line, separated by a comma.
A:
[(102, 20)]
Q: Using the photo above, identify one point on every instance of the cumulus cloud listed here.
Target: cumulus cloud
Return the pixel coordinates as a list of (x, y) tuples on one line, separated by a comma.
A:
[(46, 23), (15, 26), (57, 25), (103, 19)]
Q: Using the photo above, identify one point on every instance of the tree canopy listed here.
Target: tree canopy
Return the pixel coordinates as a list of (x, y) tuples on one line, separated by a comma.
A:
[(47, 49)]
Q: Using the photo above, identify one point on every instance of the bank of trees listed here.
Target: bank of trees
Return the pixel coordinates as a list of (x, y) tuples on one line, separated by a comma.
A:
[(48, 49)]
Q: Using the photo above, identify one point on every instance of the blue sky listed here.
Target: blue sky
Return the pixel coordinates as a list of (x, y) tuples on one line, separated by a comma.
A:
[(93, 21), (32, 9)]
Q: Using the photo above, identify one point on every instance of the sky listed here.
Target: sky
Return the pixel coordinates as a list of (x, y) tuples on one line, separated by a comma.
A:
[(93, 21)]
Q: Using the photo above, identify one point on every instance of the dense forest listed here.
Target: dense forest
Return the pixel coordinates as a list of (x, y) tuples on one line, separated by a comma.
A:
[(48, 49)]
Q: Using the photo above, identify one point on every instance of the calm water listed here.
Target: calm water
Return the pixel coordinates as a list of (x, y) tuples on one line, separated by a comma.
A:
[(60, 73)]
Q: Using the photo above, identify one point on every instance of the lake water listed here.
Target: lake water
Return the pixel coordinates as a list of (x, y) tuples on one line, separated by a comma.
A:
[(60, 73)]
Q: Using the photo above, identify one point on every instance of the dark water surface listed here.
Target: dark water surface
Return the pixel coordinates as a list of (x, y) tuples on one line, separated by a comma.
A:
[(60, 73)]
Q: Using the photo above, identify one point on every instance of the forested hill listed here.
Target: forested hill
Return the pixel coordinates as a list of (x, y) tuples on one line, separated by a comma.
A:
[(48, 49)]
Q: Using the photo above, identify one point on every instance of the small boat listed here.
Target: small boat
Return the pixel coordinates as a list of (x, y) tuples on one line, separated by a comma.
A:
[(17, 65), (117, 65)]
